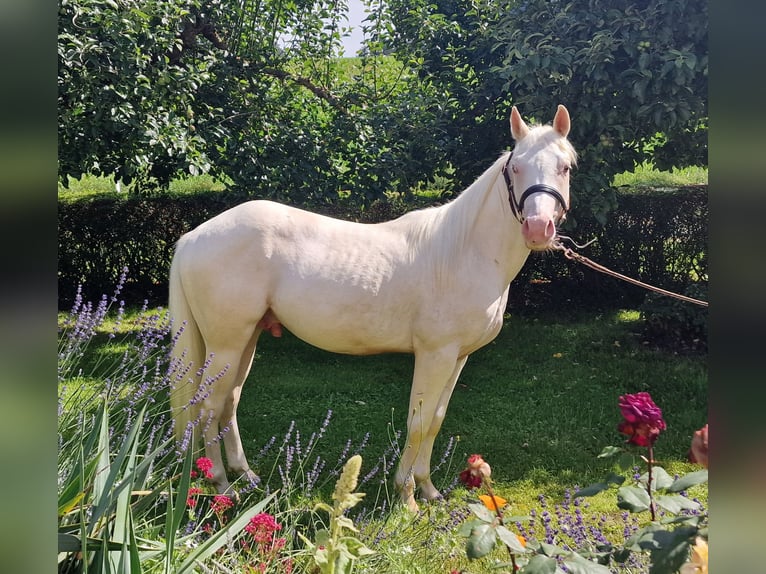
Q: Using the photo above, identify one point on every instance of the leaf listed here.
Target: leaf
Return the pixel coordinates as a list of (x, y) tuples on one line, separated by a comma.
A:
[(510, 539), (467, 527), (539, 564), (610, 451), (615, 478), (551, 549), (577, 564), (626, 461), (660, 478), (481, 542), (67, 506), (672, 549), (675, 503), (482, 512), (346, 522), (633, 499), (356, 548), (592, 489), (688, 480)]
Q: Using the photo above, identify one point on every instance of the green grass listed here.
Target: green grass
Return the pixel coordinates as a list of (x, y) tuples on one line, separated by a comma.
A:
[(539, 403), (646, 176), (101, 186)]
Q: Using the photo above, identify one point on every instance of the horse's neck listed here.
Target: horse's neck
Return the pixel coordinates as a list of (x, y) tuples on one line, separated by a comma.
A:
[(489, 229)]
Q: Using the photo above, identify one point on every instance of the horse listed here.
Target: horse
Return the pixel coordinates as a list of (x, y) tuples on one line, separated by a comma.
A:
[(433, 282)]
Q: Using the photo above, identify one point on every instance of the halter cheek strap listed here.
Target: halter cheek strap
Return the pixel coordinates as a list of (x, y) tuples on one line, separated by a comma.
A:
[(517, 207)]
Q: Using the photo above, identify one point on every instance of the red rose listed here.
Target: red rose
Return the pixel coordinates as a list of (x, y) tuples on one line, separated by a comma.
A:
[(477, 470), (643, 419)]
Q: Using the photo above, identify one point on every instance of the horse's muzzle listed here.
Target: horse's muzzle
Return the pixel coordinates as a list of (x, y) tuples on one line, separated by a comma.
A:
[(538, 232)]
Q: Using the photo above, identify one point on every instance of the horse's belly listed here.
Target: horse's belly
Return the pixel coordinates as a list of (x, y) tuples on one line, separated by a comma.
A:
[(359, 338), (347, 324)]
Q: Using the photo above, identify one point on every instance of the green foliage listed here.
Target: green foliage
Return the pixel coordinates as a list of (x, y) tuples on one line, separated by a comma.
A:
[(627, 70), (251, 92), (669, 539), (254, 92), (126, 107)]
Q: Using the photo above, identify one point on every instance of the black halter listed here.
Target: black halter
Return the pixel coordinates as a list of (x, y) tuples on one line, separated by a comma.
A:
[(517, 207)]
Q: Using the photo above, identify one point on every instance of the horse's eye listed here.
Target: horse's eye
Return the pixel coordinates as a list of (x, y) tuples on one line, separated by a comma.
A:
[(515, 169)]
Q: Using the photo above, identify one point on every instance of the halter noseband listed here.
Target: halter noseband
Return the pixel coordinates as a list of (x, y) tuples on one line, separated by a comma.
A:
[(518, 206)]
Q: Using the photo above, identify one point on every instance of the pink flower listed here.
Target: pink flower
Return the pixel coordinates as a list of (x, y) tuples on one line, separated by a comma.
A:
[(221, 503), (205, 466), (262, 527), (698, 452), (476, 472), (642, 419), (191, 496)]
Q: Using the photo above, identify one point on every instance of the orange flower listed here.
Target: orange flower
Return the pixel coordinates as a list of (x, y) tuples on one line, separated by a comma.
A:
[(493, 502)]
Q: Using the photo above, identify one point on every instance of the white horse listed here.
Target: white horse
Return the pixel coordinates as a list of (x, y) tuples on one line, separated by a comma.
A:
[(433, 282)]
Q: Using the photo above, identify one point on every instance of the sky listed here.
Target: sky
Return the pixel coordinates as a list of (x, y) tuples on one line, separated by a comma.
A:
[(355, 17)]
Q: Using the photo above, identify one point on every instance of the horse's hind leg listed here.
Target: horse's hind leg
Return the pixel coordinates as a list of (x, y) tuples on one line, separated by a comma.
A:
[(218, 410), (235, 454)]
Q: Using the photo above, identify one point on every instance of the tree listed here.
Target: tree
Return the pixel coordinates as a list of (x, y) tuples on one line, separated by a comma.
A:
[(127, 103), (632, 72), (253, 92)]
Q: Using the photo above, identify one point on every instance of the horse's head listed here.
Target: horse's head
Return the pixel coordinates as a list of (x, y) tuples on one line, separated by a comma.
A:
[(537, 174)]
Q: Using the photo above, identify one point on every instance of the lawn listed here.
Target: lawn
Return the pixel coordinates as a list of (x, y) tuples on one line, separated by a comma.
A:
[(539, 403)]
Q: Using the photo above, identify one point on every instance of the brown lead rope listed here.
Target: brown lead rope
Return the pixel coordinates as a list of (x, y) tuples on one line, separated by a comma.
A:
[(570, 254)]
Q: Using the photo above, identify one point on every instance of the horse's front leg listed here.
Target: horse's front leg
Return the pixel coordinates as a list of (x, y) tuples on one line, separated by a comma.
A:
[(433, 382)]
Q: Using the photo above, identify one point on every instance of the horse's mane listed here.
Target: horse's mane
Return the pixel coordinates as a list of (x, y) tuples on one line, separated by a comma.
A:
[(444, 229)]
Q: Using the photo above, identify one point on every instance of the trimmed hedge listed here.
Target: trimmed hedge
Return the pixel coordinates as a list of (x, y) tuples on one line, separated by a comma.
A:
[(659, 237)]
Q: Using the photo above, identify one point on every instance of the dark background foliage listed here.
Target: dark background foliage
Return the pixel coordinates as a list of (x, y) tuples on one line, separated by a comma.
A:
[(659, 237)]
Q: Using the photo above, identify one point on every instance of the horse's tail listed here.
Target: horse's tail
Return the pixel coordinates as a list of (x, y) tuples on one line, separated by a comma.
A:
[(187, 356)]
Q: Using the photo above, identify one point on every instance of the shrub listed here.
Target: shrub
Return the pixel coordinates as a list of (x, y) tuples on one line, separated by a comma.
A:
[(674, 324), (656, 237)]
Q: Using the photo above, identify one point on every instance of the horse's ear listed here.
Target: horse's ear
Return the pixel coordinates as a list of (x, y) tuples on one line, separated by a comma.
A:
[(518, 128), (561, 121)]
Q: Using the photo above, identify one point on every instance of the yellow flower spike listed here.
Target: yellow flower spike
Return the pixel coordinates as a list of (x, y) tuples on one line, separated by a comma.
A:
[(493, 503), (348, 478)]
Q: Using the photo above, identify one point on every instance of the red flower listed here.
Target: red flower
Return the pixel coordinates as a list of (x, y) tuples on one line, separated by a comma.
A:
[(191, 496), (476, 472), (262, 527), (205, 466), (221, 503), (643, 419)]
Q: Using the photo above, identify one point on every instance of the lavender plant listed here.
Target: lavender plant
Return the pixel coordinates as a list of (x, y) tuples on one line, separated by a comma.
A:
[(122, 486)]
